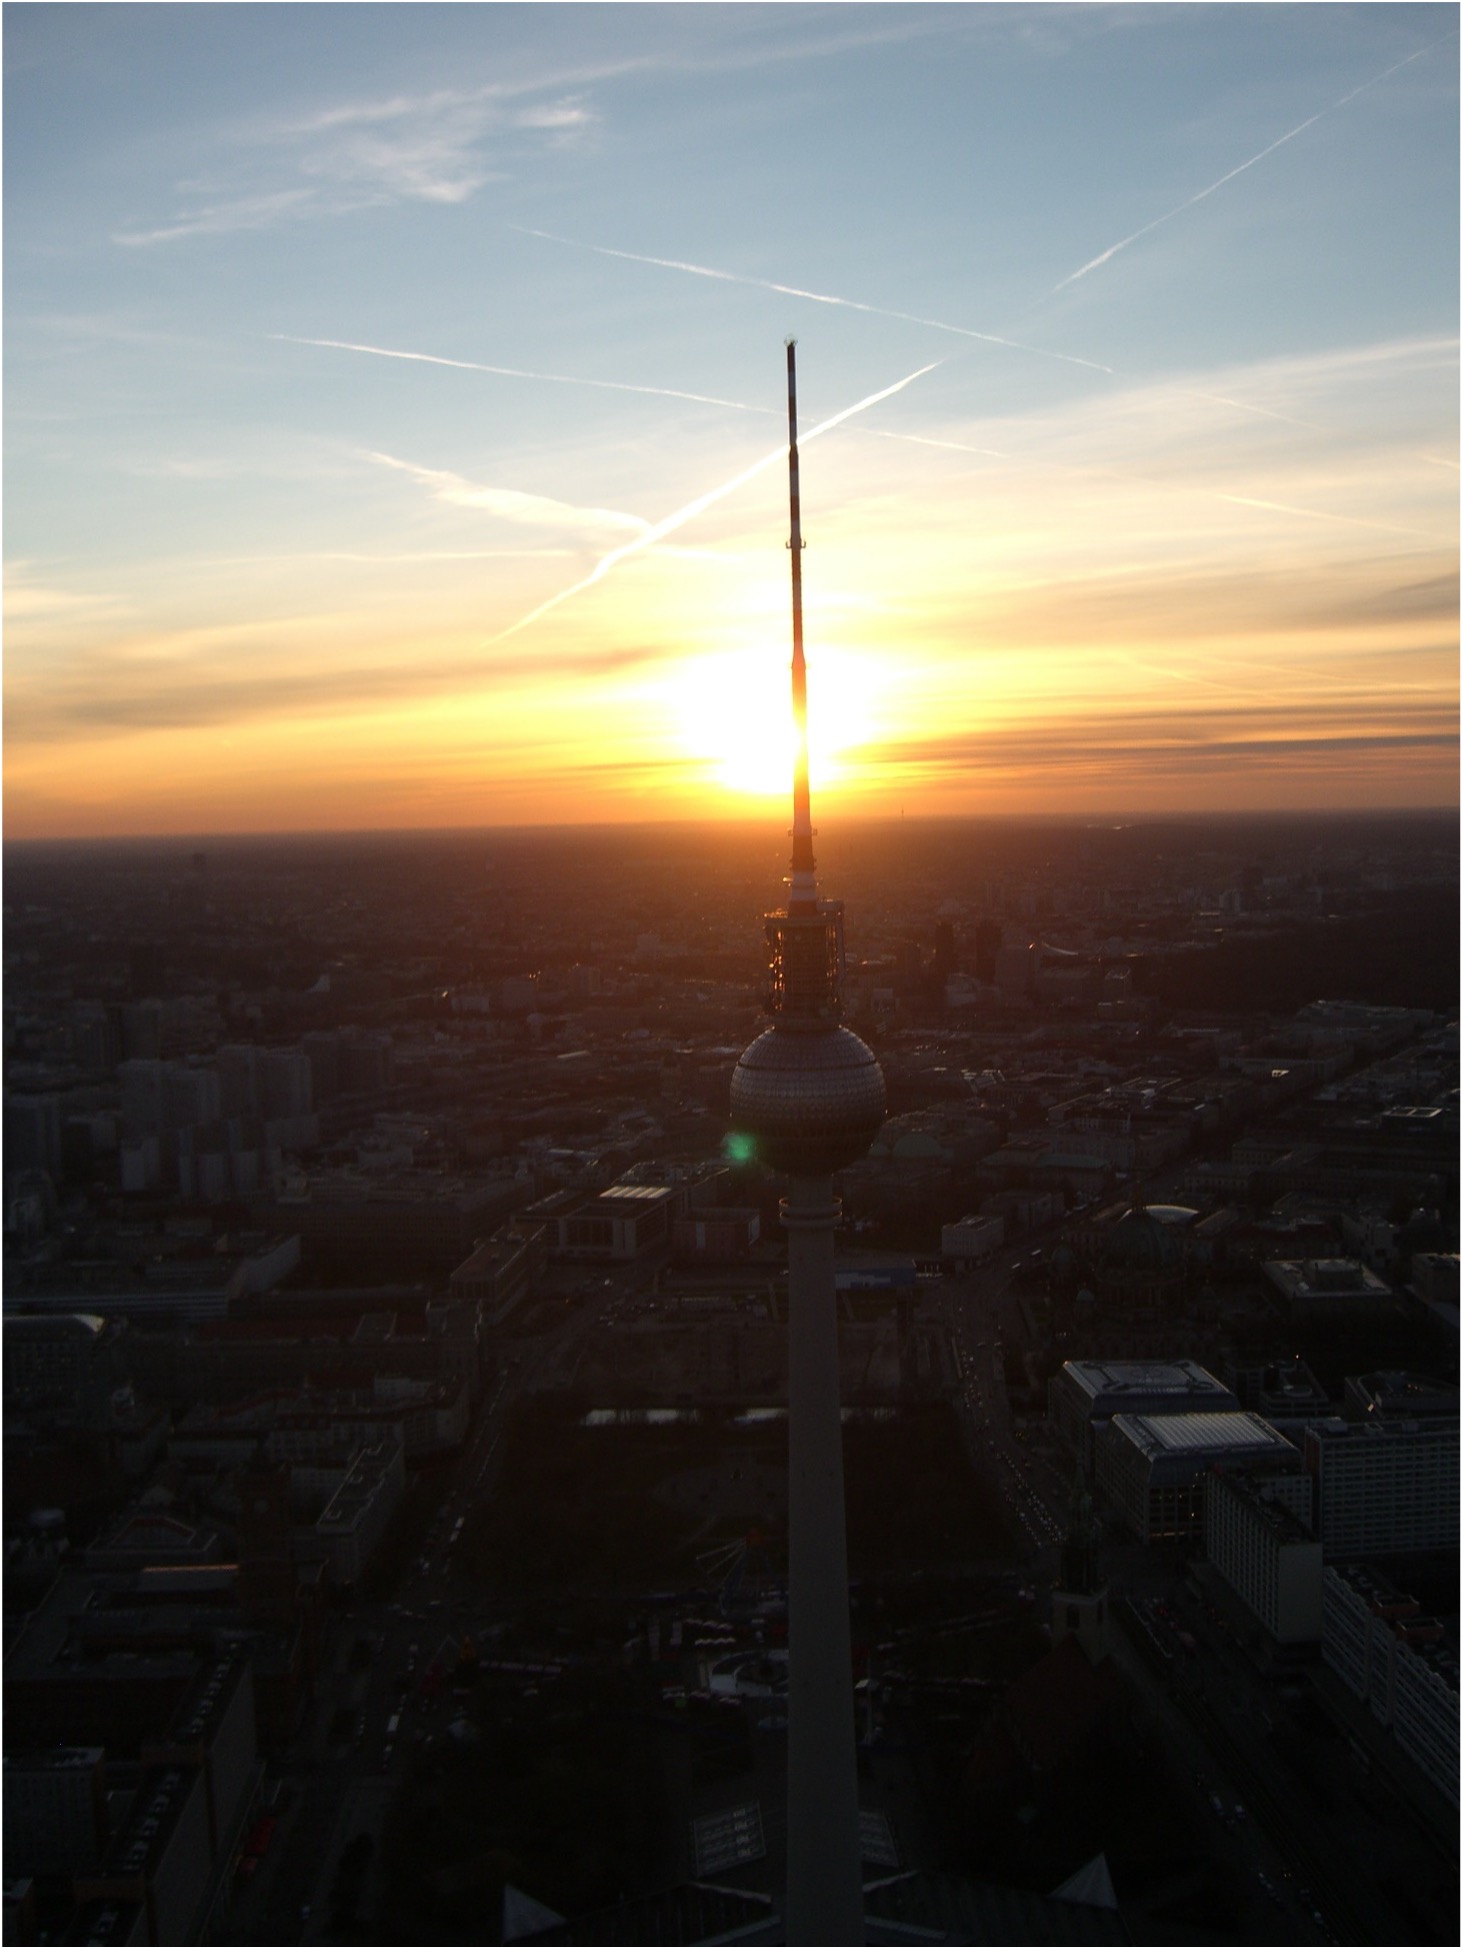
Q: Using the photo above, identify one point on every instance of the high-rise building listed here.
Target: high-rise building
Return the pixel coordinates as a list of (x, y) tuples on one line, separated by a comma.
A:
[(55, 1810), (238, 1074), (1384, 1487), (190, 1096), (1399, 1661), (1259, 1537), (285, 1078), (32, 1133), (141, 1083), (808, 1098), (1086, 1393)]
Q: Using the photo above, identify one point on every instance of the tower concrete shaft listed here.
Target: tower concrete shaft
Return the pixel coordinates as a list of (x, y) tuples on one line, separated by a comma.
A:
[(824, 1868)]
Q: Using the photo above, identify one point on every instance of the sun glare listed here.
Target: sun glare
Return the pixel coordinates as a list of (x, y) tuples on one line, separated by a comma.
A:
[(734, 715)]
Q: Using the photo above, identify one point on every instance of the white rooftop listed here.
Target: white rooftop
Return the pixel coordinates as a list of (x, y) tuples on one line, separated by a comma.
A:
[(1223, 1435)]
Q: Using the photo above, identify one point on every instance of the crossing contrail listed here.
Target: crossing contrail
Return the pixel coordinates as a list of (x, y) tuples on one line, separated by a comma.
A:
[(907, 317), (1106, 256), (813, 297), (513, 372), (678, 519)]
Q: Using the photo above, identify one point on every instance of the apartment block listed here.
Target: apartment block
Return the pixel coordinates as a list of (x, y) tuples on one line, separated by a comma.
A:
[(1258, 1535), (1383, 1487)]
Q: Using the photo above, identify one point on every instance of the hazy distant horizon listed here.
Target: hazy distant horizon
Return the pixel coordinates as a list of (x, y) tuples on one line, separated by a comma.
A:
[(773, 827)]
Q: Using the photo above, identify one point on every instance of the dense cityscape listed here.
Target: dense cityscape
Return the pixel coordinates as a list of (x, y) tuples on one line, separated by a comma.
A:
[(396, 1385)]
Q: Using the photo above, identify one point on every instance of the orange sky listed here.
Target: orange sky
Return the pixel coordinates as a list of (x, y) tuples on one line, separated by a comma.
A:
[(1149, 503)]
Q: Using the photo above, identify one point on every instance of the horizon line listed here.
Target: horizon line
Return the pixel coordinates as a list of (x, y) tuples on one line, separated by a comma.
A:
[(1108, 819)]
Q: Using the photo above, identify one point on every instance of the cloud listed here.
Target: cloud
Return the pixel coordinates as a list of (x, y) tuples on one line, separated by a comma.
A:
[(212, 219), (37, 608), (442, 145), (1192, 603), (438, 147), (27, 602), (1173, 743), (239, 673), (569, 114), (1354, 465), (507, 504)]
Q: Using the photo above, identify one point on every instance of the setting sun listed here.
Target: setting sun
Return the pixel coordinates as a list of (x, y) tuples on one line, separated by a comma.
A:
[(733, 715)]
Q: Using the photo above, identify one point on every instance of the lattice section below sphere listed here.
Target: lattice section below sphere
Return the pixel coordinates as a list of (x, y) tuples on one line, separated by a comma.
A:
[(811, 1102)]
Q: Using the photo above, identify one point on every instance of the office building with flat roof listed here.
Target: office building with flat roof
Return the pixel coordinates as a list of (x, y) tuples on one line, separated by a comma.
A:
[(360, 1509), (622, 1222), (1400, 1396), (1151, 1467), (1335, 1288), (1086, 1393)]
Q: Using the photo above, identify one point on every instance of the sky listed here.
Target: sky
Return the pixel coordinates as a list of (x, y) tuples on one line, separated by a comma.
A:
[(394, 411)]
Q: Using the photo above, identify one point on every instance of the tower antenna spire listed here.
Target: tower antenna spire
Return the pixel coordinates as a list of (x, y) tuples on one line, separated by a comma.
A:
[(803, 889)]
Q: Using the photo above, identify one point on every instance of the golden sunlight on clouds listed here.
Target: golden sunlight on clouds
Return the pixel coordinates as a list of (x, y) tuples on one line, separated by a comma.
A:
[(1147, 601)]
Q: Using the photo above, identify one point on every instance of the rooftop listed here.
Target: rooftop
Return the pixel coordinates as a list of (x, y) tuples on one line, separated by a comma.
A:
[(1201, 1433), (1179, 1377)]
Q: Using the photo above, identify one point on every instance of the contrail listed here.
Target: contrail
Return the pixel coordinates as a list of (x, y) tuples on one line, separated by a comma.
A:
[(1315, 514), (1243, 405), (512, 372), (697, 506), (1123, 478), (945, 445), (813, 297), (1107, 255), (907, 317)]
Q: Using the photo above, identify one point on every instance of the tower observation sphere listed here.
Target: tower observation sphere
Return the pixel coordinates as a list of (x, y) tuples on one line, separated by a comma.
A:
[(810, 1102)]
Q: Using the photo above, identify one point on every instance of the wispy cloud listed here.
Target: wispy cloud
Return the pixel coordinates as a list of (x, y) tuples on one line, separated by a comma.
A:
[(219, 217), (29, 601), (1112, 250), (442, 145), (437, 147), (517, 372), (1152, 457), (240, 673), (699, 505), (1147, 745), (813, 297), (508, 504)]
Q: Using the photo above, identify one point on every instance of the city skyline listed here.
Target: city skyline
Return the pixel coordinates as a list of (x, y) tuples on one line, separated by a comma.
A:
[(393, 399)]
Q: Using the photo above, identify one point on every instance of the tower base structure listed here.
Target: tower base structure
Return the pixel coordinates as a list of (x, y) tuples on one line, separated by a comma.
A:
[(824, 1865)]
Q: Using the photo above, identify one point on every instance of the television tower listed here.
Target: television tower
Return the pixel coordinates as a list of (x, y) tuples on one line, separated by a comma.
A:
[(809, 1095)]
